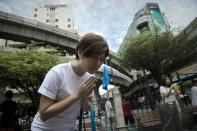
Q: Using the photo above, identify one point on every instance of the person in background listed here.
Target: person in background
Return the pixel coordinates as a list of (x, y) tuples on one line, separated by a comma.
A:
[(193, 95), (127, 111), (167, 91), (67, 86), (9, 113), (109, 112), (169, 109)]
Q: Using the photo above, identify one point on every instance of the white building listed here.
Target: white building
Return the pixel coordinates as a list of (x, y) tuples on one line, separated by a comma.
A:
[(56, 15)]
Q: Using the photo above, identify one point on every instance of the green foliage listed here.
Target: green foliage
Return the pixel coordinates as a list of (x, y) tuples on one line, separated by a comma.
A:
[(145, 51), (45, 47), (26, 65), (159, 54), (25, 71)]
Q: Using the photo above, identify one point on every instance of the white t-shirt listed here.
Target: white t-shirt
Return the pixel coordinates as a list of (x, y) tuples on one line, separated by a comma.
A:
[(194, 95), (60, 82), (164, 90)]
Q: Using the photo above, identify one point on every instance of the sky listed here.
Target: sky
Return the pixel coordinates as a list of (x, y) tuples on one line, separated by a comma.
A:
[(109, 18)]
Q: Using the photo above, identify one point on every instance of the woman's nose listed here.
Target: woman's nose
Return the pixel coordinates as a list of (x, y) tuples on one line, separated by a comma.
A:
[(98, 62)]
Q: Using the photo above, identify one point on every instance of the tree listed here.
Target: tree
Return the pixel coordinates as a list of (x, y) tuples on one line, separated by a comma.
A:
[(185, 52), (160, 54), (25, 71)]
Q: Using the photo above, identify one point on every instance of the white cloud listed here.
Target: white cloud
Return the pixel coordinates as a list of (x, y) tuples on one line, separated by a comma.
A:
[(6, 7)]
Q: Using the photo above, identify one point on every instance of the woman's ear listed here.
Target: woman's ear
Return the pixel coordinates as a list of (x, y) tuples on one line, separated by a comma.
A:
[(79, 54)]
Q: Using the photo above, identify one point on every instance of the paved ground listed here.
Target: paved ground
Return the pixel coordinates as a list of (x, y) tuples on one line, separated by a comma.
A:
[(194, 128)]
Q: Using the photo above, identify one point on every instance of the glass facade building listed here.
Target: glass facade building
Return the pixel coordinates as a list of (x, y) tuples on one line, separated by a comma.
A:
[(148, 18)]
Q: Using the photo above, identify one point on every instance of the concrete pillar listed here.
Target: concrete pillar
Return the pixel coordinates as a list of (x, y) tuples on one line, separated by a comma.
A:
[(120, 124)]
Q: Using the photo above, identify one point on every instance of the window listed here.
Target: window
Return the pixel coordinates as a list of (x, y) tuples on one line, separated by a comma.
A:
[(69, 20), (35, 9), (47, 20), (143, 27), (56, 20), (69, 26), (52, 9), (35, 15)]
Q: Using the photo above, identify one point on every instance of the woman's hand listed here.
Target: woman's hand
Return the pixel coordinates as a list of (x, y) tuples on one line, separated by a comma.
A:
[(87, 88)]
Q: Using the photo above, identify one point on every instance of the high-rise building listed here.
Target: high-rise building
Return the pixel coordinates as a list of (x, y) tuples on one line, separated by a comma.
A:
[(56, 15), (148, 18)]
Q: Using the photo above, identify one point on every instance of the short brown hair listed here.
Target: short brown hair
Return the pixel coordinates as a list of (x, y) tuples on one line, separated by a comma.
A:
[(91, 44)]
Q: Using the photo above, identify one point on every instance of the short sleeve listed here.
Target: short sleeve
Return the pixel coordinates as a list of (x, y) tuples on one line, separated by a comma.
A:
[(163, 90), (50, 85)]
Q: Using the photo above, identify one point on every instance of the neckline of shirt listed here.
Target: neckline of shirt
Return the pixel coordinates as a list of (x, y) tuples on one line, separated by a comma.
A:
[(73, 72)]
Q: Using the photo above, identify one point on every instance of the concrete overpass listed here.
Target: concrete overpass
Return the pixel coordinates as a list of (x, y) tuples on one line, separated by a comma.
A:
[(22, 29), (17, 28)]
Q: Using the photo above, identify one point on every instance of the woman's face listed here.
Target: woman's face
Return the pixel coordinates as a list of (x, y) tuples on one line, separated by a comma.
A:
[(92, 63)]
